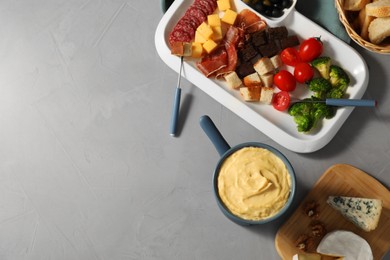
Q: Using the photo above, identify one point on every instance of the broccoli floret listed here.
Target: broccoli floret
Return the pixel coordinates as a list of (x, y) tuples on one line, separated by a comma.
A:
[(303, 115), (321, 110), (338, 77), (300, 108), (304, 123), (320, 87), (335, 93), (306, 115), (322, 64)]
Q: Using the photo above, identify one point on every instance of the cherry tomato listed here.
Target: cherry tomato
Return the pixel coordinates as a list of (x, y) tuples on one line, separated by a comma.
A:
[(285, 81), (303, 72), (310, 49), (281, 100), (290, 56)]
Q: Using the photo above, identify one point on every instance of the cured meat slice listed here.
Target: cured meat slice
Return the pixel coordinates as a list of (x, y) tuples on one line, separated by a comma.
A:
[(250, 22), (185, 25), (213, 62), (224, 59), (206, 5), (196, 12), (179, 36), (232, 38), (213, 3), (190, 20)]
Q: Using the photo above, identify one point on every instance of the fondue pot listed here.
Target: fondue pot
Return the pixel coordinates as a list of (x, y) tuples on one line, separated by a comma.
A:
[(225, 151)]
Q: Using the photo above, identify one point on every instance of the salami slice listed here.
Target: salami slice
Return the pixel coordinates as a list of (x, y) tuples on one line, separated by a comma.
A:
[(213, 3), (179, 35), (190, 20), (185, 25), (196, 12), (206, 5)]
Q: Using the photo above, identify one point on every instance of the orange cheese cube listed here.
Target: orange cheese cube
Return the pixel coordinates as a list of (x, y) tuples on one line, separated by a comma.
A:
[(197, 50), (209, 45), (214, 20), (217, 33), (223, 5), (199, 37), (229, 17), (205, 30)]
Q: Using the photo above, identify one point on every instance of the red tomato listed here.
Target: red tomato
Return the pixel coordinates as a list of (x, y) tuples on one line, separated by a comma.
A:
[(310, 49), (281, 100), (303, 72), (285, 81), (290, 56)]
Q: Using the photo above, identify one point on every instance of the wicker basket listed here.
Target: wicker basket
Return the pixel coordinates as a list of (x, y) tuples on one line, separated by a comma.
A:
[(382, 49)]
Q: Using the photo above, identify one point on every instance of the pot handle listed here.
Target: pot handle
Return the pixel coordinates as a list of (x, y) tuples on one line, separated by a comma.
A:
[(214, 135)]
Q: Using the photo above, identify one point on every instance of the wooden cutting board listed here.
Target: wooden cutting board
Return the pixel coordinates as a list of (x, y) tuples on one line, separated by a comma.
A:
[(343, 180)]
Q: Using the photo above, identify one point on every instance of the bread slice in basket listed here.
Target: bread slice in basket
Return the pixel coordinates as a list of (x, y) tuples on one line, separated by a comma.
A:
[(378, 8)]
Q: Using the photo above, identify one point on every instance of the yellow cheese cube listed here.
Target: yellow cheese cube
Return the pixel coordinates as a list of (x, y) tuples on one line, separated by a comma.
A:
[(223, 5), (217, 33), (197, 50), (199, 37), (213, 20), (209, 45), (205, 30), (229, 17)]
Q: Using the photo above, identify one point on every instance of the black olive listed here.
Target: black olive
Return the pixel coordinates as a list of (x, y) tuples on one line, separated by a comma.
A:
[(259, 7), (279, 6), (286, 3), (276, 1), (266, 3), (268, 12), (276, 12)]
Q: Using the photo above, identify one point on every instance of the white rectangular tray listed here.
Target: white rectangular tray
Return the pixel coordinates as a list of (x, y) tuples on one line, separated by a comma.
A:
[(279, 126)]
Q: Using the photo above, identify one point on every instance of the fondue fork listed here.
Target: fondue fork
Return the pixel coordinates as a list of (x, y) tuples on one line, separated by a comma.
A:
[(341, 102), (176, 102)]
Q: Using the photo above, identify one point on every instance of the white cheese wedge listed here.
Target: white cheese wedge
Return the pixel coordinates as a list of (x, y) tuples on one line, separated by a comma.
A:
[(315, 256), (364, 213), (346, 244), (305, 256)]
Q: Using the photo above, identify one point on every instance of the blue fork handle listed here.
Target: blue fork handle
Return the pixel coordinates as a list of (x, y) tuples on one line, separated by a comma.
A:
[(214, 135), (175, 111), (351, 102)]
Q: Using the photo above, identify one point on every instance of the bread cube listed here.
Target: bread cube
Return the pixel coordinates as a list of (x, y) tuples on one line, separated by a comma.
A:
[(187, 49), (252, 80), (223, 5), (177, 48), (232, 80), (266, 95), (263, 66), (229, 17), (267, 79), (250, 94), (276, 61)]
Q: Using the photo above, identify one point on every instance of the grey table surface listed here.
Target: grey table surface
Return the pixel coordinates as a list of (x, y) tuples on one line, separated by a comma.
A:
[(88, 169)]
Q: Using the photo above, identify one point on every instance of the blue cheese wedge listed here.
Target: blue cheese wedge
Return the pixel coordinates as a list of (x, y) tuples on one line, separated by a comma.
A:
[(363, 212)]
